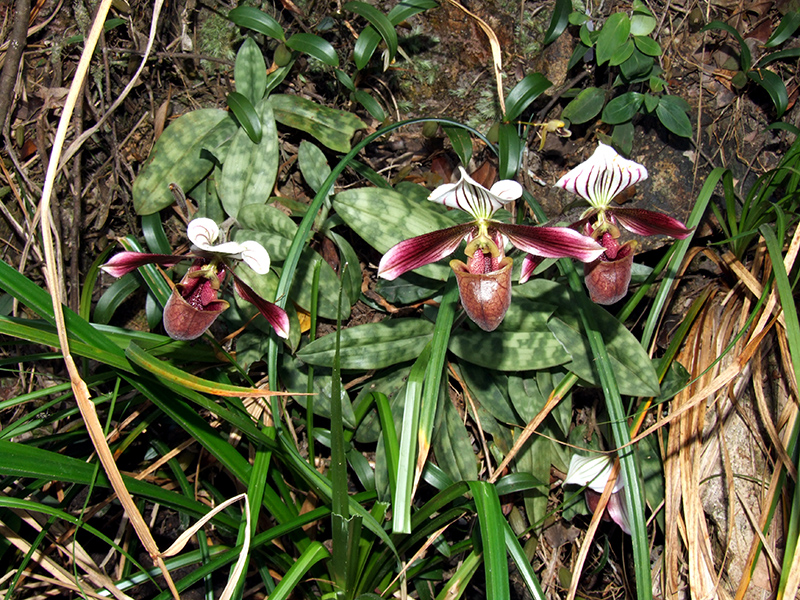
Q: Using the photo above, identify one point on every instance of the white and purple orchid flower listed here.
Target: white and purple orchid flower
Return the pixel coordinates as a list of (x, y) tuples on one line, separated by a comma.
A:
[(593, 472), (484, 282), (598, 180), (195, 304)]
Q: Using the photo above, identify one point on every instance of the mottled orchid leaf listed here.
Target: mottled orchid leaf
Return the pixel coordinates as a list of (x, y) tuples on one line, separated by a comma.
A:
[(333, 128), (329, 284), (509, 351), (250, 72), (313, 165), (250, 169), (371, 346), (451, 443), (490, 390), (294, 375), (178, 157), (384, 218)]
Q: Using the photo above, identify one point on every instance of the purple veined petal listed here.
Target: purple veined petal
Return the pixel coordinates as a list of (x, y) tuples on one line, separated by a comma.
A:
[(529, 264), (471, 197), (255, 256), (604, 175), (648, 222), (618, 511), (422, 250), (273, 313), (551, 242), (126, 262), (203, 233)]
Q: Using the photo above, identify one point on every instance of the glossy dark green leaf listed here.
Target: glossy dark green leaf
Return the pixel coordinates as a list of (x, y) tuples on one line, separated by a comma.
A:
[(461, 141), (622, 137), (622, 108), (490, 390), (373, 345), (745, 59), (577, 55), (585, 106), (250, 72), (368, 39), (787, 55), (373, 106), (612, 37), (345, 79), (178, 157), (558, 21), (650, 102), (352, 275), (672, 114), (246, 114), (788, 25), (638, 67), (526, 91), (510, 151), (775, 88), (379, 21), (642, 24), (257, 20), (114, 296), (250, 168), (622, 54), (333, 128), (315, 46), (384, 218)]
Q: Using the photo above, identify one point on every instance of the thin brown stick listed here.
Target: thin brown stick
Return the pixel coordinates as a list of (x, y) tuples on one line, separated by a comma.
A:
[(19, 34)]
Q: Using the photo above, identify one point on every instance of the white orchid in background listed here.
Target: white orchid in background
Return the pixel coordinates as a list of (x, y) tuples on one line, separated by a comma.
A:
[(593, 472), (484, 282), (195, 304), (598, 180)]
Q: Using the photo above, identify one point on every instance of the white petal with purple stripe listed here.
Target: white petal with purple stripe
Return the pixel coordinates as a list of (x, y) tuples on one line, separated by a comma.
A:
[(470, 196)]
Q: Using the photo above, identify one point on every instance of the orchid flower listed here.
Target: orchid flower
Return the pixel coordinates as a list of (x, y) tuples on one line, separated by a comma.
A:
[(195, 304), (484, 282), (592, 472), (598, 180)]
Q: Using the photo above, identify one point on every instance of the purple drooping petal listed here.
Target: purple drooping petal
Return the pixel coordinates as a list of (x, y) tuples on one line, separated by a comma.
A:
[(551, 242), (529, 264), (648, 222), (604, 175), (273, 313), (126, 262), (422, 250)]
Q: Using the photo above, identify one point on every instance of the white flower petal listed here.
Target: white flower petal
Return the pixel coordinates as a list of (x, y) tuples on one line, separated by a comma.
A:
[(470, 196), (604, 175), (255, 256), (592, 471), (203, 233)]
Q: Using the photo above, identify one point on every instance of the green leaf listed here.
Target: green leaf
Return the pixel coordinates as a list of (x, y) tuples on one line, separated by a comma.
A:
[(313, 165), (622, 137), (509, 351), (268, 226), (250, 72), (585, 106), (407, 289), (492, 526), (642, 25), (178, 157), (462, 143), (257, 20), (351, 276), (345, 79), (622, 108), (613, 36), (368, 39), (114, 296), (490, 390), (250, 169), (371, 346), (373, 106), (315, 46), (788, 53), (526, 91), (745, 59), (379, 21), (775, 88), (650, 102), (314, 553), (637, 68), (788, 25), (333, 128), (384, 218), (452, 444), (558, 22), (647, 46), (246, 114), (622, 54), (300, 290), (509, 151), (671, 113)]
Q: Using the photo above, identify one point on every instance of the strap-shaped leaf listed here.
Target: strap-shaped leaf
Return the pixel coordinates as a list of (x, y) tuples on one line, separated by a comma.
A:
[(788, 25), (257, 20), (775, 88), (246, 114), (369, 39), (510, 146), (373, 106), (333, 128), (371, 346), (178, 157), (526, 91), (315, 46), (745, 58), (558, 21), (462, 143), (114, 296), (379, 21)]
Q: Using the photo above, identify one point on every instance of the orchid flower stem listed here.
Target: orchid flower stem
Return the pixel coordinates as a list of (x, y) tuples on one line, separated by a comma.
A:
[(634, 495)]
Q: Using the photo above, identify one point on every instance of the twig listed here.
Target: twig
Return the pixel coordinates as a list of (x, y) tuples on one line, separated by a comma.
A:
[(22, 12)]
